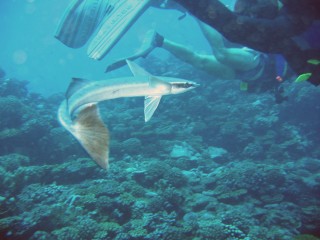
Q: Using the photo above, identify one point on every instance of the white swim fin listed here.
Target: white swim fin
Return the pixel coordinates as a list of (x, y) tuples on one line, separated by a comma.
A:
[(80, 20), (115, 25)]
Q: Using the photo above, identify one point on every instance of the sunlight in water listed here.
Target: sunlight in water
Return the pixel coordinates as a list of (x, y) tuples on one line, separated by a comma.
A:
[(19, 57)]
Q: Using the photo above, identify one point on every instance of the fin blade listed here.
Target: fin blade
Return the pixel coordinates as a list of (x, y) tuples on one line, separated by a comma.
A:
[(115, 25), (146, 48), (150, 105), (115, 65), (80, 20)]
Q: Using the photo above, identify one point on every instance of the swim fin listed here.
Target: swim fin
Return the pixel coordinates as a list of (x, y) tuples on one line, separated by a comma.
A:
[(115, 25), (80, 20), (150, 42)]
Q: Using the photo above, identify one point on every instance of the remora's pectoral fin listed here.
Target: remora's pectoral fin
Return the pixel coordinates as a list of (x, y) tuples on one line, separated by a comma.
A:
[(150, 105), (150, 102), (93, 135)]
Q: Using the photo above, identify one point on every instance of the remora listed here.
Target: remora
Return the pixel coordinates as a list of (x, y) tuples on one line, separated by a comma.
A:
[(79, 112)]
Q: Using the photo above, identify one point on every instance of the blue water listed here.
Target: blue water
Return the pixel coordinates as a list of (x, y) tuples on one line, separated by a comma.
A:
[(32, 53), (213, 163)]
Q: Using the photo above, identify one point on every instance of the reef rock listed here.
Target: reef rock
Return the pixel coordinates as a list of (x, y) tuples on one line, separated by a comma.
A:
[(183, 150)]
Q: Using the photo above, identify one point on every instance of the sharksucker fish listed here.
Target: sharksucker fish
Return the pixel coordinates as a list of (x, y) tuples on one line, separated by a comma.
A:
[(79, 112)]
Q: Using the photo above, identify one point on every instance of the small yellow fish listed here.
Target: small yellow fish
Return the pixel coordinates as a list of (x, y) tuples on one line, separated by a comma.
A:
[(244, 86), (314, 61), (303, 77)]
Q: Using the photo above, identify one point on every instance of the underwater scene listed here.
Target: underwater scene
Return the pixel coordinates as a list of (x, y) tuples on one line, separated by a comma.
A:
[(133, 119)]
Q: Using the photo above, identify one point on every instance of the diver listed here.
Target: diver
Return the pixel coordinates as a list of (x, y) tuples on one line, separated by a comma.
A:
[(269, 26), (256, 71), (262, 25)]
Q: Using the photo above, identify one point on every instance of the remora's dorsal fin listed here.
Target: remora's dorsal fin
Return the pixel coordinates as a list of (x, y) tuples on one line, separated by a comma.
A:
[(89, 129), (75, 85), (136, 69), (139, 71), (150, 105)]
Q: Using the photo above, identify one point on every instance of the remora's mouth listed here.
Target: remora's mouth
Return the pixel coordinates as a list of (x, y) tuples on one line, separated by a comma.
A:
[(186, 85)]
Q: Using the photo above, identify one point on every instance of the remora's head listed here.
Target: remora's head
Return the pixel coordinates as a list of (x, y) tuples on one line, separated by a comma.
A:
[(183, 86)]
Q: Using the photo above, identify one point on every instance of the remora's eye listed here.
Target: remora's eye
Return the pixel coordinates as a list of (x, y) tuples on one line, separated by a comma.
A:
[(183, 85)]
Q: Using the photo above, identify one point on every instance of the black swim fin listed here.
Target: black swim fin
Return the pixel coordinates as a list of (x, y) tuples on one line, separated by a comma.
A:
[(150, 42)]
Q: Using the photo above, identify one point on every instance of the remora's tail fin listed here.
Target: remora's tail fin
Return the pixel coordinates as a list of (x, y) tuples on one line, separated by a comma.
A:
[(89, 129)]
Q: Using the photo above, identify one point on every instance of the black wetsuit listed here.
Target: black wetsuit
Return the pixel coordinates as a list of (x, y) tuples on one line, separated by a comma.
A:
[(265, 35)]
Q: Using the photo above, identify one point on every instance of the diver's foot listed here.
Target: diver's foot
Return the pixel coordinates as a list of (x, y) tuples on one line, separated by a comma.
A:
[(150, 42)]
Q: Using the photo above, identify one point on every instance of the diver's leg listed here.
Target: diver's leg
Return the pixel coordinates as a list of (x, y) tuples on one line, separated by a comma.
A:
[(214, 38), (238, 58), (260, 34), (207, 63)]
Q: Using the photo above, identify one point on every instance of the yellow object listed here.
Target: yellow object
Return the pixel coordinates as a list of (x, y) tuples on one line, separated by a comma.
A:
[(303, 77), (244, 86), (314, 61), (305, 237)]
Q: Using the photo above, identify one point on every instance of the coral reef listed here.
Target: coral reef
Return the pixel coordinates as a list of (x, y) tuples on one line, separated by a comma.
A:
[(216, 164)]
